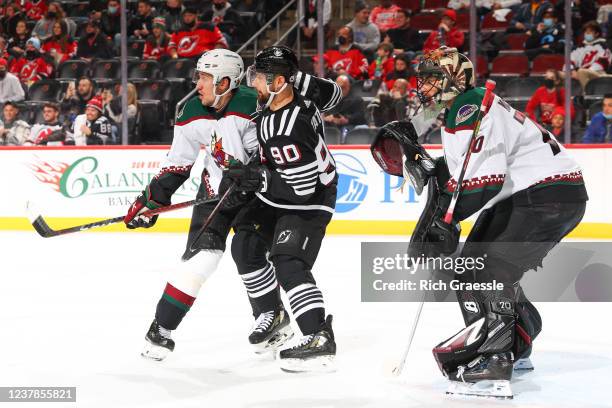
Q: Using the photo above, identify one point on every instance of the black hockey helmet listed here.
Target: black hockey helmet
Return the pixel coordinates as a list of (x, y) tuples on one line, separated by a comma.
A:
[(277, 60)]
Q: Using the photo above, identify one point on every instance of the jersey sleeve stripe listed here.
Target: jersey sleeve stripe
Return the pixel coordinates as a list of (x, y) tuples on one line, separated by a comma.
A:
[(191, 119), (295, 206), (271, 125), (299, 169), (306, 83), (282, 122)]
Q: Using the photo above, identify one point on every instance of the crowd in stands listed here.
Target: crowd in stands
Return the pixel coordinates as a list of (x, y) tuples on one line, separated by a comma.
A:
[(59, 65)]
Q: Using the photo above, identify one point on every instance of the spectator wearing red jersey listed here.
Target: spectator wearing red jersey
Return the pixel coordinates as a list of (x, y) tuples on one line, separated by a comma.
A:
[(546, 98), (345, 58), (60, 46), (384, 16), (401, 70), (35, 9), (32, 66), (195, 37), (157, 45), (383, 64), (447, 33)]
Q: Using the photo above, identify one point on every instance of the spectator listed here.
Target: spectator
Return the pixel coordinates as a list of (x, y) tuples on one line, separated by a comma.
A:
[(484, 6), (195, 38), (309, 24), (157, 45), (110, 20), (346, 58), (32, 66), (50, 132), (404, 38), (582, 11), (172, 12), (35, 9), (92, 128), (557, 122), (528, 16), (10, 88), (44, 27), (13, 131), (384, 16), (349, 112), (600, 129), (142, 23), (96, 8), (546, 98), (17, 43), (112, 109), (383, 64), (227, 19), (593, 59), (76, 98), (401, 70), (447, 33), (11, 17), (60, 46), (93, 44), (367, 35), (547, 37), (3, 49), (389, 106)]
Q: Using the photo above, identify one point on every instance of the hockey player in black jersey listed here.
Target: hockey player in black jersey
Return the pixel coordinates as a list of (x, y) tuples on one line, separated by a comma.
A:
[(295, 184)]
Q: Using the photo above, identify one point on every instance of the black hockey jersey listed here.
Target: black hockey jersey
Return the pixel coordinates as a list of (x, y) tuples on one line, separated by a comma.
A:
[(302, 170)]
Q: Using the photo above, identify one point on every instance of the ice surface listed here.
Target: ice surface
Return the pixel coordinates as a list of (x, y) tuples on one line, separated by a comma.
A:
[(74, 311)]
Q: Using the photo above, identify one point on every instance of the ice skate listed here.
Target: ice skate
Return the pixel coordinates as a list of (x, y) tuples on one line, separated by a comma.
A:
[(484, 377), (314, 353), (158, 343), (270, 331)]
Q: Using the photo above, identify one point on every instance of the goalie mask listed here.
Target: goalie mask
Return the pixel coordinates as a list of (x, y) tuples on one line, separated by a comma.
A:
[(397, 151), (443, 74)]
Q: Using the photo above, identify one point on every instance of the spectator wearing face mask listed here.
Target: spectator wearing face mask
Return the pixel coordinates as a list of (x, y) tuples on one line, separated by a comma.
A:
[(600, 129), (94, 44), (547, 37), (10, 88), (528, 16), (346, 58), (592, 59), (32, 66), (446, 34), (44, 27), (110, 20), (546, 98)]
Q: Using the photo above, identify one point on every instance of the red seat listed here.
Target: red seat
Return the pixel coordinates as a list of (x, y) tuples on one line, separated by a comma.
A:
[(413, 5), (516, 41), (425, 21), (547, 61), (489, 23), (463, 21), (510, 65), (434, 4), (482, 66)]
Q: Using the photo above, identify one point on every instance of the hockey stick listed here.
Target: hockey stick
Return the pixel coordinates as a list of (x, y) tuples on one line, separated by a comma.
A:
[(489, 87), (43, 229), (215, 210)]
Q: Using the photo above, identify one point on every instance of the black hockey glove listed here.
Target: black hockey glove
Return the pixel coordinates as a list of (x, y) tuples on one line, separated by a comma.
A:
[(235, 199), (250, 177)]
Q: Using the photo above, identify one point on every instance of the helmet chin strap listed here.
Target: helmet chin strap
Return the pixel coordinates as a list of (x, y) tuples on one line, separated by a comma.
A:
[(218, 96), (273, 94)]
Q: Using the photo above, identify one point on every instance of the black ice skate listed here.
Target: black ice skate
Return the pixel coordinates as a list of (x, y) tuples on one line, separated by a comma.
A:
[(314, 353), (158, 343), (484, 377), (270, 331)]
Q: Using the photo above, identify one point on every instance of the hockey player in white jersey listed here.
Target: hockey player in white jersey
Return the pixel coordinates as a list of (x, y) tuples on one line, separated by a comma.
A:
[(220, 120), (530, 191)]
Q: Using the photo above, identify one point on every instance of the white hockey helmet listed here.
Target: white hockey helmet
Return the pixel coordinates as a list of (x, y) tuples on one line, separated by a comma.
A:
[(221, 63)]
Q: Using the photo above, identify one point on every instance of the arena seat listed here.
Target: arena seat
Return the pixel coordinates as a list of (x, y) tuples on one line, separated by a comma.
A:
[(598, 87), (151, 88), (72, 69), (143, 69), (510, 65), (106, 70), (490, 24), (521, 88), (44, 90), (178, 68), (547, 61), (425, 21)]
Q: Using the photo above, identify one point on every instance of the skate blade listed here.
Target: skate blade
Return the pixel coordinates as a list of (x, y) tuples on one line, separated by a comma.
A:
[(523, 364), (499, 389), (154, 352), (283, 335), (323, 364)]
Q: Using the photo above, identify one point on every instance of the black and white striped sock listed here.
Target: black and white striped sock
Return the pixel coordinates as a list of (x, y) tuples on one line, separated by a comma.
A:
[(307, 305), (263, 289)]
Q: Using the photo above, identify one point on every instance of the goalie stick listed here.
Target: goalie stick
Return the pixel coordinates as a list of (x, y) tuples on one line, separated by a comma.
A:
[(43, 229), (489, 87)]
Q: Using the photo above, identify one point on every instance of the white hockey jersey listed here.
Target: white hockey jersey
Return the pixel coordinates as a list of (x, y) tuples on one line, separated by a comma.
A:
[(594, 56), (511, 153)]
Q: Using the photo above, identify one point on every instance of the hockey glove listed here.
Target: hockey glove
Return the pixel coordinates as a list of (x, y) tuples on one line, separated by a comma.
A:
[(144, 202), (251, 177), (235, 199)]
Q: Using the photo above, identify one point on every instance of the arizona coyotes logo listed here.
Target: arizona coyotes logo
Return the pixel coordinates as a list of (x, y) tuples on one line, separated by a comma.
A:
[(216, 148), (188, 43)]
